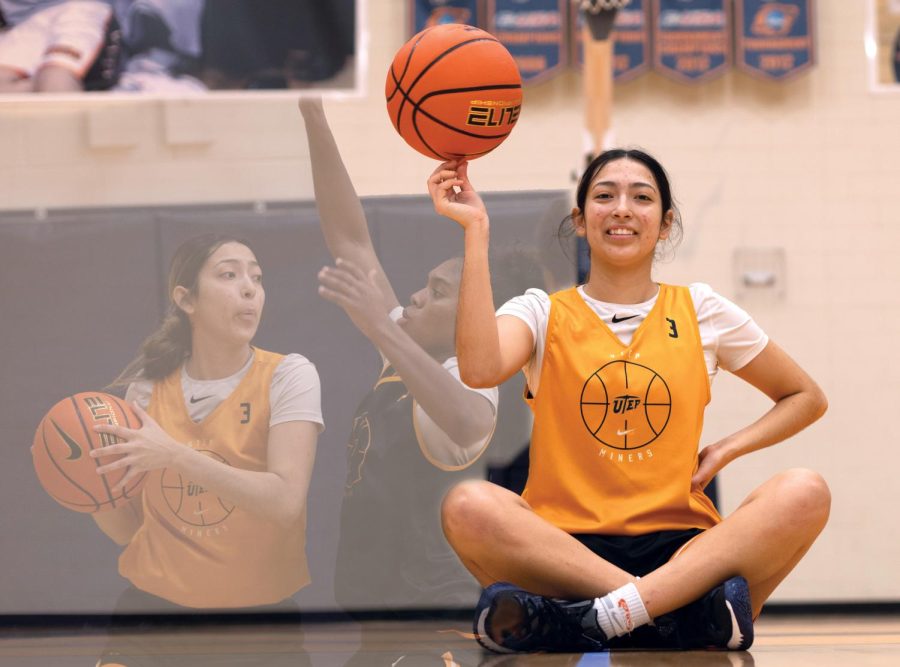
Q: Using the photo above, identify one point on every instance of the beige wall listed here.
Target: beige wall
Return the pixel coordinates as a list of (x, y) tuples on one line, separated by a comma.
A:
[(808, 167)]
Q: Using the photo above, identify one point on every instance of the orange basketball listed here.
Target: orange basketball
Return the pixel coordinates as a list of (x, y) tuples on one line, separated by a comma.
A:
[(453, 91), (61, 448)]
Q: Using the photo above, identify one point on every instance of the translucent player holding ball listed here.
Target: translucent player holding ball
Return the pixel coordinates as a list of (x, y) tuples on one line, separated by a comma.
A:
[(613, 542), (228, 437)]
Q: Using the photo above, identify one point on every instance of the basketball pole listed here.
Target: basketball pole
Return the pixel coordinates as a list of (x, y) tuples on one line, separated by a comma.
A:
[(597, 87), (597, 41)]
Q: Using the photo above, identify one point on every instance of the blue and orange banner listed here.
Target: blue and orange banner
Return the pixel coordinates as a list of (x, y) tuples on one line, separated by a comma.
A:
[(775, 38), (534, 31), (631, 39), (631, 31), (692, 38), (427, 13)]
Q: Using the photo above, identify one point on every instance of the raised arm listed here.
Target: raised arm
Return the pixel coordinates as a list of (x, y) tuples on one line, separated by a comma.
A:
[(341, 214), (798, 403), (489, 349)]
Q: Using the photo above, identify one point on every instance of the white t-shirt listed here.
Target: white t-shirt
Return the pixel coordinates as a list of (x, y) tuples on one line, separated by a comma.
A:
[(294, 395), (434, 439), (730, 337)]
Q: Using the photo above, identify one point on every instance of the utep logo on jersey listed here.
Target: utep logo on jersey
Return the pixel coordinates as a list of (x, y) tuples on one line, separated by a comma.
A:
[(190, 501), (775, 20), (625, 405)]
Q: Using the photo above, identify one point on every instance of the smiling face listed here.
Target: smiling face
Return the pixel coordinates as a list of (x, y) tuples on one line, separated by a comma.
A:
[(623, 217), (227, 302), (430, 317)]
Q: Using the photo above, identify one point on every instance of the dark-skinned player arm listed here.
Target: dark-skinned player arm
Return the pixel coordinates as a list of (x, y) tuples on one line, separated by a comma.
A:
[(120, 524), (799, 402), (489, 349), (466, 417), (341, 214), (276, 494)]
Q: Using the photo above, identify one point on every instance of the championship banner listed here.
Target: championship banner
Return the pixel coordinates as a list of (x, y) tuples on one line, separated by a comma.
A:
[(775, 38), (631, 39), (692, 38), (534, 33), (427, 13)]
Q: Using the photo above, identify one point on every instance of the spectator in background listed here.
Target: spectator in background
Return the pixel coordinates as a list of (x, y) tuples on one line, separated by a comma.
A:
[(50, 45), (275, 44)]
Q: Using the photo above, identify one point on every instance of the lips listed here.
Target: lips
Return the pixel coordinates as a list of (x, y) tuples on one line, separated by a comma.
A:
[(623, 232)]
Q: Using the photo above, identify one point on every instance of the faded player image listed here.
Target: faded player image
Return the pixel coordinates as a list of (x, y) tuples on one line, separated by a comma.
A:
[(419, 430), (228, 438), (50, 45)]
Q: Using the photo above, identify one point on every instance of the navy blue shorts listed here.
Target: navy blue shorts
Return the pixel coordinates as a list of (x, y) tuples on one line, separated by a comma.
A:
[(638, 554)]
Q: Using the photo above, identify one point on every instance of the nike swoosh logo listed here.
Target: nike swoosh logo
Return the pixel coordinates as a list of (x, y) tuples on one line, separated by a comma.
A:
[(631, 430), (202, 398), (74, 447), (616, 319)]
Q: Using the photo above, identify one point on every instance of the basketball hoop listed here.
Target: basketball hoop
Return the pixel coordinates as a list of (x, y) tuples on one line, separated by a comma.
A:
[(597, 6)]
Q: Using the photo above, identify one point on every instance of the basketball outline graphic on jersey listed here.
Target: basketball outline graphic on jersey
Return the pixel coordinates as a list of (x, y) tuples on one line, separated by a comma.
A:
[(173, 486), (360, 425), (643, 408)]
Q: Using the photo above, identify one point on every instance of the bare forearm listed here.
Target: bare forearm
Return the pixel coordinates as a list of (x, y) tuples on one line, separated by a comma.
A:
[(477, 338), (343, 219), (787, 417), (462, 414), (262, 493)]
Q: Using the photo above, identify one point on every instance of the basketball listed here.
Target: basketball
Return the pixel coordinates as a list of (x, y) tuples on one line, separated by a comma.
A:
[(61, 452), (625, 405), (453, 92)]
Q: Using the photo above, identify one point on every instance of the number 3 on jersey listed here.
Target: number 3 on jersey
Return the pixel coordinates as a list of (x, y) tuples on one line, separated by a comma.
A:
[(673, 328), (245, 414)]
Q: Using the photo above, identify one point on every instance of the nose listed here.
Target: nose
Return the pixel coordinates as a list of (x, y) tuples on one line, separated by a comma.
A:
[(248, 287), (622, 210), (417, 299)]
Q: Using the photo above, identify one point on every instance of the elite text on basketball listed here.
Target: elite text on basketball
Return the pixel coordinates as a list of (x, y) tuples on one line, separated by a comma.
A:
[(492, 114)]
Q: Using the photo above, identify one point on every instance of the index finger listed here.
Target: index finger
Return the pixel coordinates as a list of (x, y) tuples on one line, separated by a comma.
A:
[(118, 431)]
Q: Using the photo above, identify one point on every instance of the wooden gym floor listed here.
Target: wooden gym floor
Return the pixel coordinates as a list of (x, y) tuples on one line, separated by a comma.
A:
[(781, 641)]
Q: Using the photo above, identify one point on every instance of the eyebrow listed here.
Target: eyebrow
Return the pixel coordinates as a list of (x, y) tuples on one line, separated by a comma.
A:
[(236, 261), (433, 279), (636, 184)]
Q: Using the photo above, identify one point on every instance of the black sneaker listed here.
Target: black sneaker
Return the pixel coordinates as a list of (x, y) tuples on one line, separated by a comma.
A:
[(509, 619), (723, 618)]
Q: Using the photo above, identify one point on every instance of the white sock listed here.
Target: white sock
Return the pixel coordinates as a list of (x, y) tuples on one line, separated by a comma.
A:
[(621, 611)]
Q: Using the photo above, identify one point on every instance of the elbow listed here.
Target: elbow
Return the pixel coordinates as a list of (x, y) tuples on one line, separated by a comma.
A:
[(122, 540), (819, 402), (290, 514), (476, 377)]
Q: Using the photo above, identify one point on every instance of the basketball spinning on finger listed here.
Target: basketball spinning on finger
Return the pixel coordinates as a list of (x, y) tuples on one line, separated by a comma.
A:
[(453, 92), (61, 452)]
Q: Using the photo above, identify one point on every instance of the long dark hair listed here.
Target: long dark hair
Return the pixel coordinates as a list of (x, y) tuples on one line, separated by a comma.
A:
[(164, 350), (567, 228)]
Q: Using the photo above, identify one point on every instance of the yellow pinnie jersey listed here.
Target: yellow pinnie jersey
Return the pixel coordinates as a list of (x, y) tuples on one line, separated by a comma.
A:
[(616, 427), (195, 548)]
